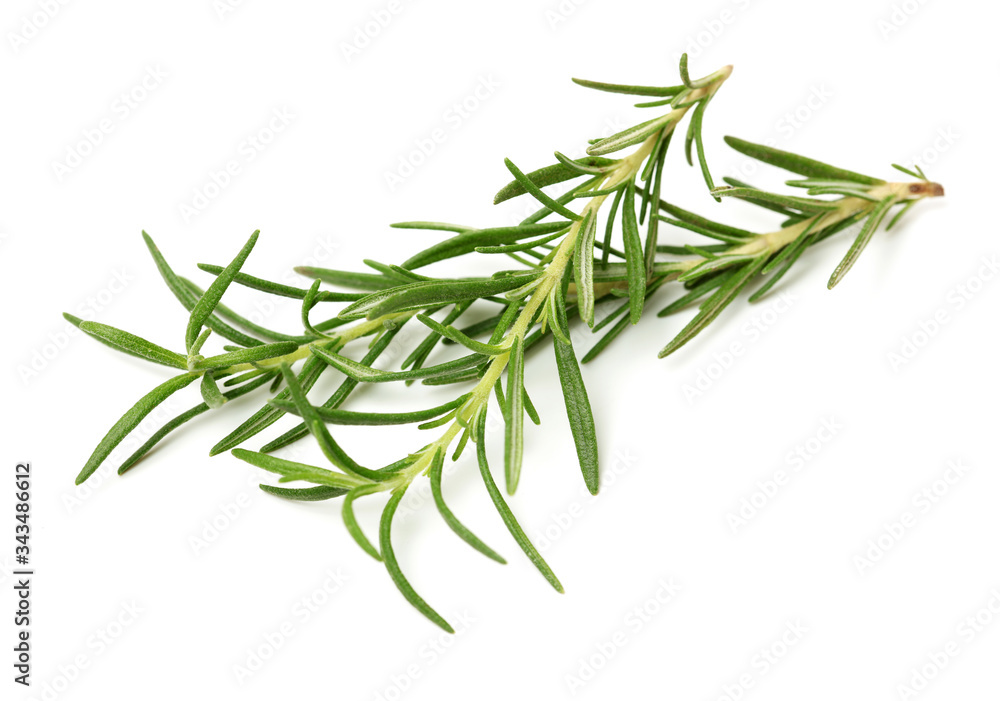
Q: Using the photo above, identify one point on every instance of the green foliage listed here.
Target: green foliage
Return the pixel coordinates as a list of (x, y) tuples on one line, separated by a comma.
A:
[(561, 272)]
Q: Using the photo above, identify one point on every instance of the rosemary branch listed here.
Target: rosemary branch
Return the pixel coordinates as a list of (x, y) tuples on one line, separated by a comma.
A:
[(560, 277)]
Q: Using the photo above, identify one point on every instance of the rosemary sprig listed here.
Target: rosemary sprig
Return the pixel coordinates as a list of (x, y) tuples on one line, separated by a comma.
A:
[(561, 276)]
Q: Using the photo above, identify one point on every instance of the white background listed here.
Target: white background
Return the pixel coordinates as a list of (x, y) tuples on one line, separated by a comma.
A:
[(862, 84)]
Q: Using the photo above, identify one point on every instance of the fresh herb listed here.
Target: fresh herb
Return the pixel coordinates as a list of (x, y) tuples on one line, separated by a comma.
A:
[(562, 271)]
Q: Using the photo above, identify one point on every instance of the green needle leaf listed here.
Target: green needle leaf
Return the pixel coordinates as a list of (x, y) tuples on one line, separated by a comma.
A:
[(295, 471), (505, 513), (611, 317), (196, 348), (437, 469), (609, 227), (514, 416), (454, 378), (535, 191), (605, 340), (695, 128), (530, 410), (714, 265), (469, 241), (361, 418), (899, 215), (459, 337), (417, 296), (560, 172), (731, 233), (563, 199), (353, 527), (918, 173), (190, 301), (876, 217), (311, 370), (634, 259), (653, 195), (255, 354), (76, 321), (275, 288), (419, 354), (333, 452), (259, 331), (588, 165), (206, 305), (308, 302), (518, 247), (583, 267), (385, 543), (685, 77), (642, 90), (363, 373), (130, 420), (354, 281), (132, 344), (186, 416), (699, 230), (396, 272), (433, 226), (798, 164), (755, 196), (210, 392), (792, 250), (339, 396), (796, 250), (318, 493), (581, 417), (631, 136), (715, 304), (556, 310)]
